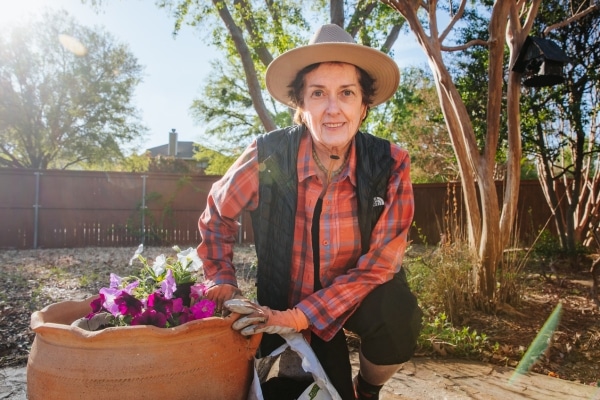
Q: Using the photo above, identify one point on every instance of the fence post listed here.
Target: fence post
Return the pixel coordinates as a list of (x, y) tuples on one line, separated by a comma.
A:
[(144, 209), (36, 208)]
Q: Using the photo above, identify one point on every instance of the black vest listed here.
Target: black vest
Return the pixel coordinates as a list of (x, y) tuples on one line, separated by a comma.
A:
[(273, 220)]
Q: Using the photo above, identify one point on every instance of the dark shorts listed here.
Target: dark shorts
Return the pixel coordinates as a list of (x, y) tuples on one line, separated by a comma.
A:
[(388, 322)]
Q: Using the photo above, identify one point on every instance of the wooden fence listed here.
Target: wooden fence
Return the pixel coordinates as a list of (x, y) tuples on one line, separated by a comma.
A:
[(62, 209)]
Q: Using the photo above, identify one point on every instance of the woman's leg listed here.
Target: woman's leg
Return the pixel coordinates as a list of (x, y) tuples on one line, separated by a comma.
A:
[(388, 322)]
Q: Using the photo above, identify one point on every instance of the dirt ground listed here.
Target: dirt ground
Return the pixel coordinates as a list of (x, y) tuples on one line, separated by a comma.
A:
[(574, 349), (32, 279)]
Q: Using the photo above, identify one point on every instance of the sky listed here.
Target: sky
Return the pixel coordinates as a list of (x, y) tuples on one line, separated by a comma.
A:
[(174, 67)]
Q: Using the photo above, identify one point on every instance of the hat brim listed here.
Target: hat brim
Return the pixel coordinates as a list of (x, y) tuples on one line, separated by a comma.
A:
[(283, 70)]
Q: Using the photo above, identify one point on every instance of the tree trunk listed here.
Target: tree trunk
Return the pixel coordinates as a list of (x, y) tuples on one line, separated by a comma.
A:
[(488, 232), (336, 12)]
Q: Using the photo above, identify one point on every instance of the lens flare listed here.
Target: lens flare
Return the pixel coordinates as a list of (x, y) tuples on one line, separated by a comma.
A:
[(72, 44), (539, 344)]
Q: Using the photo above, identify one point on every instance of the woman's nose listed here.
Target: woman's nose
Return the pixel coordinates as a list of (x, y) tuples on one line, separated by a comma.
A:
[(333, 104)]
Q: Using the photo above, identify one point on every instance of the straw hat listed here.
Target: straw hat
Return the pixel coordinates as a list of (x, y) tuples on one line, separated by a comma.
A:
[(332, 43)]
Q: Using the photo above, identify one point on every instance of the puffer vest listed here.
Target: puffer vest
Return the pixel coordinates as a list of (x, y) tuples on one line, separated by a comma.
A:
[(274, 219)]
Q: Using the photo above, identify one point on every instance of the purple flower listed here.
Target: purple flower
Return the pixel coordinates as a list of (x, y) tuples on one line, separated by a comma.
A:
[(109, 300), (158, 302), (154, 297), (115, 281), (184, 316), (168, 285), (129, 288), (96, 306), (150, 317), (128, 305), (203, 309)]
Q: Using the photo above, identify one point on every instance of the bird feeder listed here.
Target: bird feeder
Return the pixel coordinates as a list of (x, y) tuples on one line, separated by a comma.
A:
[(541, 61)]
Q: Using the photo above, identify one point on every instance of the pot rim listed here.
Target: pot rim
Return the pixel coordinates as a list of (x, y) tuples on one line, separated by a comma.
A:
[(52, 317)]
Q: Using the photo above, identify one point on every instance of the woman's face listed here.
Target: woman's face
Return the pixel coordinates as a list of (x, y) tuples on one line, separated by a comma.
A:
[(333, 107)]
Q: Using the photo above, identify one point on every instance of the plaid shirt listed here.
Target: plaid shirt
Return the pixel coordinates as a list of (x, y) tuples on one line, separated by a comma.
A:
[(344, 287)]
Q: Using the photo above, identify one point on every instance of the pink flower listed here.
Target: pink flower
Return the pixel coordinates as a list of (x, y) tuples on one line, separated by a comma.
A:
[(198, 291), (203, 309)]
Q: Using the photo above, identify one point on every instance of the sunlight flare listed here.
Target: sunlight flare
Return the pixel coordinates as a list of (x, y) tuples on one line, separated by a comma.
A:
[(539, 344)]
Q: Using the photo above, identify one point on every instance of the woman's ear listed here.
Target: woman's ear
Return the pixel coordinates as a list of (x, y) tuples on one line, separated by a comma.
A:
[(365, 113)]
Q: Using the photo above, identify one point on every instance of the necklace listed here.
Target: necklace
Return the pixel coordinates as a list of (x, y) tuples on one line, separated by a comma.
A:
[(330, 174)]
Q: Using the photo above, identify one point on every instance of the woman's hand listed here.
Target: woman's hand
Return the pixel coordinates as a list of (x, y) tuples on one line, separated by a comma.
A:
[(259, 319), (221, 293)]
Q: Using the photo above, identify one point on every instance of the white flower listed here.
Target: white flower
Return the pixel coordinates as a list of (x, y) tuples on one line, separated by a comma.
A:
[(190, 256), (137, 253), (159, 265)]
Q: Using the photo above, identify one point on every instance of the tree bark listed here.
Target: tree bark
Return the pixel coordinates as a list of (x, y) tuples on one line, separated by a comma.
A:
[(250, 71)]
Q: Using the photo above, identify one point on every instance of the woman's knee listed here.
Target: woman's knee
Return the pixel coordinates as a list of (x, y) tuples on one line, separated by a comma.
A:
[(388, 322)]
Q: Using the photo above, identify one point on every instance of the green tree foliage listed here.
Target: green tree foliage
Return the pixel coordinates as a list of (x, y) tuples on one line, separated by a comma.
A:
[(225, 111), (235, 106), (134, 163), (65, 95), (413, 118), (217, 163)]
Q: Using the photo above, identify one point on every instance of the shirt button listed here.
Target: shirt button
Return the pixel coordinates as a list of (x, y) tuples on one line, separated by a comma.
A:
[(325, 242)]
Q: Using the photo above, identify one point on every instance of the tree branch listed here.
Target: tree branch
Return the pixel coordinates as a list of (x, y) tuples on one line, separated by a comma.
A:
[(454, 20), (391, 38), (251, 74), (361, 13), (245, 10), (533, 11), (573, 18), (475, 42)]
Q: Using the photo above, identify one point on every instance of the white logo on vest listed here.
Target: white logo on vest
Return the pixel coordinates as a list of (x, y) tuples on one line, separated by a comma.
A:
[(377, 201)]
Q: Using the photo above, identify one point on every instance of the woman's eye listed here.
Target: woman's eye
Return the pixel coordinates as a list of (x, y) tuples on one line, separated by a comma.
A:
[(317, 93), (347, 92)]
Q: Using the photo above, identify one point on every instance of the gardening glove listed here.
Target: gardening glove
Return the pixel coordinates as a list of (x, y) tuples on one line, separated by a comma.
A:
[(94, 323), (220, 293), (264, 320)]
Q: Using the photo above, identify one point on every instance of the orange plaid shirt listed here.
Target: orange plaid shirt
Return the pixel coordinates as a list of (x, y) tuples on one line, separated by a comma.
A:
[(340, 246)]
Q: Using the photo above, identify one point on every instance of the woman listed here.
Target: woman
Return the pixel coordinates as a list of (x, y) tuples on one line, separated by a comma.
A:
[(331, 209)]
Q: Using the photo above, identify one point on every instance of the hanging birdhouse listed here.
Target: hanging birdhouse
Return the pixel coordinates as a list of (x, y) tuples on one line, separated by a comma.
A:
[(541, 61)]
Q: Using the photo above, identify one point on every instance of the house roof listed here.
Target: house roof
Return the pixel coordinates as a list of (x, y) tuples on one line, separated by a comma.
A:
[(185, 150)]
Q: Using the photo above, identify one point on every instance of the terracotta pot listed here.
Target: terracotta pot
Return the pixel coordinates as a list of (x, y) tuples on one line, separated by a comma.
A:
[(203, 359)]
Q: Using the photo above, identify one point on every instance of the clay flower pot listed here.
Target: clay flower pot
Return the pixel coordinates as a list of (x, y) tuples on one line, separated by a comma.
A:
[(202, 359)]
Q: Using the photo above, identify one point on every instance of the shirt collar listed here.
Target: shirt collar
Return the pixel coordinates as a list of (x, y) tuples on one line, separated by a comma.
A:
[(307, 166)]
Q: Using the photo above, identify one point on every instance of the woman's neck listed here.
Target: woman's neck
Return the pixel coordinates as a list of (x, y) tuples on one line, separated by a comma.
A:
[(331, 161)]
